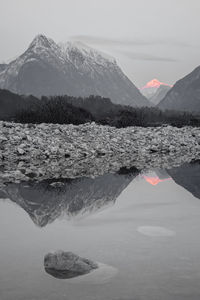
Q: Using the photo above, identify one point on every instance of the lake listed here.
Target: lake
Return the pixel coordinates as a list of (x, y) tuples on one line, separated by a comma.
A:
[(141, 226)]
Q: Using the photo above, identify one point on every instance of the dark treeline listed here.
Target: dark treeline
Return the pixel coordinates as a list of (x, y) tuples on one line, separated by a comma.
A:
[(55, 110), (77, 110), (150, 117)]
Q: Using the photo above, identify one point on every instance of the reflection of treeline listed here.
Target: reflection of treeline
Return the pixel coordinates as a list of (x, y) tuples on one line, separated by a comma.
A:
[(77, 110)]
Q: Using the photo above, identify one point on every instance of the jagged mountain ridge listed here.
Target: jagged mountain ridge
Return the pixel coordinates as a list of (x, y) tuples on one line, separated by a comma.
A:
[(47, 68), (185, 94)]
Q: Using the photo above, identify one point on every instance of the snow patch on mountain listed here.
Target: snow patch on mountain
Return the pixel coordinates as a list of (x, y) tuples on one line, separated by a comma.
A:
[(87, 51)]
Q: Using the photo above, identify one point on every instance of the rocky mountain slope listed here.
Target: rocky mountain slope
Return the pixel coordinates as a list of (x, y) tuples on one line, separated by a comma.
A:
[(185, 94), (47, 68)]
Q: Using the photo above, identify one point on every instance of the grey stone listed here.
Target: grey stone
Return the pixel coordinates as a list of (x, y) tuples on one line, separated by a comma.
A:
[(20, 151), (67, 265), (3, 138)]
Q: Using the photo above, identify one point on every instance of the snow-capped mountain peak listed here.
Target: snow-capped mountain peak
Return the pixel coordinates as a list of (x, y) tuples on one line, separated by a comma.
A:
[(47, 68), (45, 47), (154, 83), (151, 87), (41, 41)]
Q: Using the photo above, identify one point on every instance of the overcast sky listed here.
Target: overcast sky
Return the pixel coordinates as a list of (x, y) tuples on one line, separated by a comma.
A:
[(149, 38)]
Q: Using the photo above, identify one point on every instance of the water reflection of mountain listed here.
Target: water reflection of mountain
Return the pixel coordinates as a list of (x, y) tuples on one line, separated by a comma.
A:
[(156, 176), (188, 176), (47, 200)]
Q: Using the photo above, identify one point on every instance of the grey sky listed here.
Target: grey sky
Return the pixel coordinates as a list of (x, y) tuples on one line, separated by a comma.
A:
[(149, 38)]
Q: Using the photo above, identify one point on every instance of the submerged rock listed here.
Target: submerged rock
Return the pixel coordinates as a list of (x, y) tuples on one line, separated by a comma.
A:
[(66, 265)]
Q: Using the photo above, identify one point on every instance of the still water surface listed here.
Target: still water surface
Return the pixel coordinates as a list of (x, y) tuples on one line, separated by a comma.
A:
[(142, 227)]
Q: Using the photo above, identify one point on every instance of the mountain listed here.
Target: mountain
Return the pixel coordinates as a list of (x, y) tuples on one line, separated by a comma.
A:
[(151, 87), (48, 200), (185, 94), (159, 94), (3, 67), (47, 68)]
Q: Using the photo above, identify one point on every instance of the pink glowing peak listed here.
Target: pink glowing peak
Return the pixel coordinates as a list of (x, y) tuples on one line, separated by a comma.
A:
[(155, 83), (154, 180)]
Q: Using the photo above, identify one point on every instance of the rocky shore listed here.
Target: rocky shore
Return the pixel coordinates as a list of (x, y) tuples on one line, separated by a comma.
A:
[(30, 151)]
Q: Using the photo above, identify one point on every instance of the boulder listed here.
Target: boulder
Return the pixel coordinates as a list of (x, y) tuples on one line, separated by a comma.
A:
[(66, 265), (3, 138)]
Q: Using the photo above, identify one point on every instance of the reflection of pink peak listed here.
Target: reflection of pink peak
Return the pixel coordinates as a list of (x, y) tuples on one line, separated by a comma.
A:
[(154, 180), (155, 83)]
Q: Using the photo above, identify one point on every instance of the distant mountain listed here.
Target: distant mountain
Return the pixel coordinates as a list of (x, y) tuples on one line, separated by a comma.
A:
[(159, 94), (47, 68), (185, 94), (48, 200), (151, 87)]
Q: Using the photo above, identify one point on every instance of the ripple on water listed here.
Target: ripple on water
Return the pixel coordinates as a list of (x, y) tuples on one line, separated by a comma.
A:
[(102, 275), (155, 231)]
